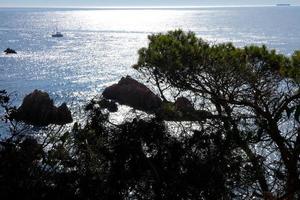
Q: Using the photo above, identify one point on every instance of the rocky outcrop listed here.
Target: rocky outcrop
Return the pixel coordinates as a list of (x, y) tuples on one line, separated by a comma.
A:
[(9, 51), (132, 93), (111, 106), (39, 110), (184, 105)]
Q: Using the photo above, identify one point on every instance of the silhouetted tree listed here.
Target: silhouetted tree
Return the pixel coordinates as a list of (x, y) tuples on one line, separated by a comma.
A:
[(253, 90), (139, 159)]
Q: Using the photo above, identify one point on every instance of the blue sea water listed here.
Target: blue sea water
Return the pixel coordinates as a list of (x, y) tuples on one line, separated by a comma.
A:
[(100, 45)]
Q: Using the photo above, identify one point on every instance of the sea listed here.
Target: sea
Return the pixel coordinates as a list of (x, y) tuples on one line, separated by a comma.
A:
[(100, 44)]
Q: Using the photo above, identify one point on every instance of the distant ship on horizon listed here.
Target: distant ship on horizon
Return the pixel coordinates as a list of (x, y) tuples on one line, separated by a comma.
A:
[(283, 4)]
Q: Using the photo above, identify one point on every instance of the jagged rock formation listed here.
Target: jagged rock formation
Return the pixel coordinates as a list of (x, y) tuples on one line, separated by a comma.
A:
[(110, 105), (39, 110), (184, 105), (9, 51), (132, 93)]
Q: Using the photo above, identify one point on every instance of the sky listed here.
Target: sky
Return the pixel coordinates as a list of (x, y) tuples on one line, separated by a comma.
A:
[(137, 3)]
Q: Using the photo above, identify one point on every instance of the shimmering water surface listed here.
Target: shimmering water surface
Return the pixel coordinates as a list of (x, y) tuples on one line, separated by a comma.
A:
[(99, 46)]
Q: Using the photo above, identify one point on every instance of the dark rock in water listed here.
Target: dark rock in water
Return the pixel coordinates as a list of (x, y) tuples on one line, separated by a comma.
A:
[(62, 115), (132, 93), (10, 51), (109, 105), (184, 105), (39, 110)]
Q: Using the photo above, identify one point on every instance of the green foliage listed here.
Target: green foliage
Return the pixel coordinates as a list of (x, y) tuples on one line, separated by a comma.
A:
[(178, 56), (296, 59), (252, 92), (174, 49), (264, 58), (294, 71), (169, 111)]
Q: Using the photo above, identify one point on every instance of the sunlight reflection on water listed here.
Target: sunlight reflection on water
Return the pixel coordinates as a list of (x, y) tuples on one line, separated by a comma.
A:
[(100, 46)]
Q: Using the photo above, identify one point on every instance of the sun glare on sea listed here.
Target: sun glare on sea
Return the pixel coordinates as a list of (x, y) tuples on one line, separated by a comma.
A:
[(127, 20)]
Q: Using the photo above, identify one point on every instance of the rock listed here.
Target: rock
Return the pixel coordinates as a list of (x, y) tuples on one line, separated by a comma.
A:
[(269, 196), (39, 110), (109, 105), (132, 93), (184, 105), (62, 115), (10, 51)]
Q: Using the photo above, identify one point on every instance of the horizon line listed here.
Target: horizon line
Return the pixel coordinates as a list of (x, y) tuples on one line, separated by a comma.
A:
[(149, 7)]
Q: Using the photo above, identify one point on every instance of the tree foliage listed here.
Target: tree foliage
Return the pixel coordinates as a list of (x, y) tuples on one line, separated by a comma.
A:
[(254, 91), (139, 159)]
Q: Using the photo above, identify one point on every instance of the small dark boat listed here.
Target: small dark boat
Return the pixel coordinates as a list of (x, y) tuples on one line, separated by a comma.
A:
[(283, 4), (57, 34)]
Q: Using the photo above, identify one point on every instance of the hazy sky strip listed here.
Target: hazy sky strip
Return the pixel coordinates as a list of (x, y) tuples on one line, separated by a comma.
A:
[(91, 3)]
